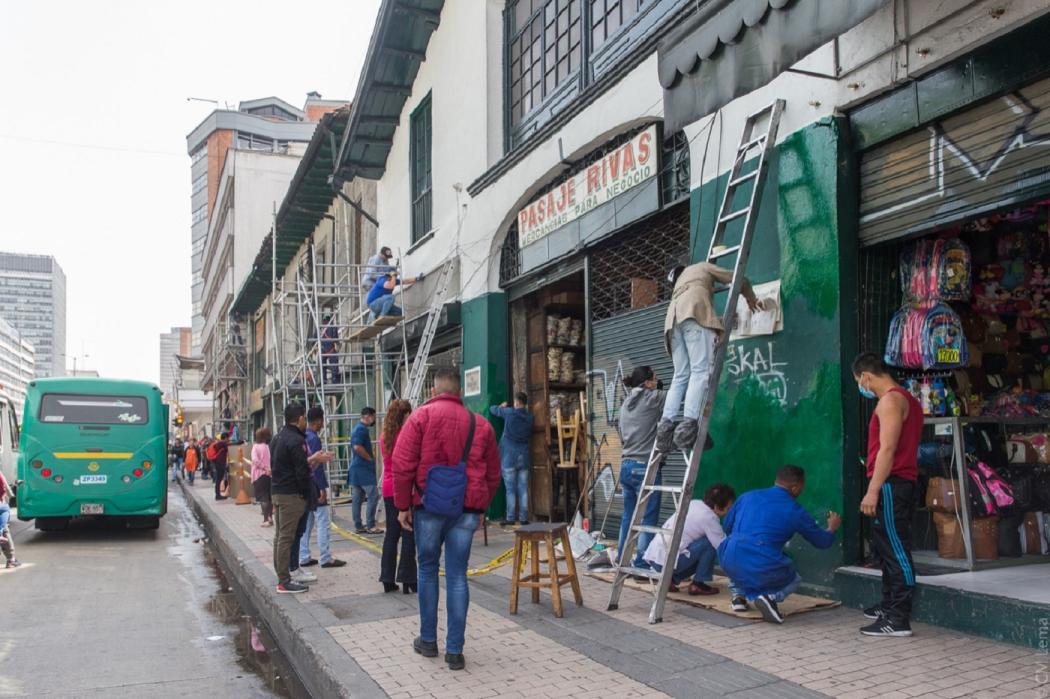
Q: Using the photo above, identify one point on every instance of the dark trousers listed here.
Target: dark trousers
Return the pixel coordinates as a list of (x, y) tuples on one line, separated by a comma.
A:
[(293, 555), (218, 473), (288, 511), (406, 565), (891, 539), (261, 488)]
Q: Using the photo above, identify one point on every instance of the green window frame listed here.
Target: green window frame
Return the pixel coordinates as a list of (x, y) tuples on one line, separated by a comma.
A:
[(420, 157)]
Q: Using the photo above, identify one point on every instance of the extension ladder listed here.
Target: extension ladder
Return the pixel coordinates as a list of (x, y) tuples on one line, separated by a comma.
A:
[(751, 140), (419, 363)]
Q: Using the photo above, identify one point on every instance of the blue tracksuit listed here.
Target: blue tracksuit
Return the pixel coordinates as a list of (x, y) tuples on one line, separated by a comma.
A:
[(757, 527)]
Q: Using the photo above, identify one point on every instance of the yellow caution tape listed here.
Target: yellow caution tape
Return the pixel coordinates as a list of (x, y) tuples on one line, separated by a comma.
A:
[(497, 562)]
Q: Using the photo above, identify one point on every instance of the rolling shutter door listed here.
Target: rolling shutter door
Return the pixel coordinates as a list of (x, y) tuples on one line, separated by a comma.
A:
[(619, 344), (988, 157)]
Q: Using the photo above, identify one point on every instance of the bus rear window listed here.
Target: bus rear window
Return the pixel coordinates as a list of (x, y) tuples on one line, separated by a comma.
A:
[(85, 409)]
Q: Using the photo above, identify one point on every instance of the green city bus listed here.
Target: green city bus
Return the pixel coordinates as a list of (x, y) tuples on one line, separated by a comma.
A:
[(93, 447)]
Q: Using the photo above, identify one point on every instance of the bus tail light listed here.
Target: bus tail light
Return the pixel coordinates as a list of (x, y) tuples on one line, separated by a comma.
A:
[(147, 465), (138, 473), (58, 479), (46, 473), (36, 463)]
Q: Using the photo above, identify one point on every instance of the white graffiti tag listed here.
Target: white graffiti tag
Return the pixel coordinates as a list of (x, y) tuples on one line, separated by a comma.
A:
[(758, 362)]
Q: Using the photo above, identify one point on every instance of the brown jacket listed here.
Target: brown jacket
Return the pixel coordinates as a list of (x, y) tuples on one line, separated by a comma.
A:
[(693, 297)]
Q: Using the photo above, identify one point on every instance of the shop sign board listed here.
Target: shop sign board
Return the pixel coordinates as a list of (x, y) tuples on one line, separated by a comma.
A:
[(602, 180)]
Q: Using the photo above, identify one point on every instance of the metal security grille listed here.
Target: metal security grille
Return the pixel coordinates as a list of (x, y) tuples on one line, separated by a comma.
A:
[(631, 272), (510, 257)]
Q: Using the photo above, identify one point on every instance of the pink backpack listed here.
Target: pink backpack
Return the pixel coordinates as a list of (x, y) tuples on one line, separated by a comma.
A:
[(989, 493)]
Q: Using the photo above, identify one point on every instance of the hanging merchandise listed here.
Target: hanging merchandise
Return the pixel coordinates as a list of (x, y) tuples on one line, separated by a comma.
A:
[(936, 270), (926, 336)]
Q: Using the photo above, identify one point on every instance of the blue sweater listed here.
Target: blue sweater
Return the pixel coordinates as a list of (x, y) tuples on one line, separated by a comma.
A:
[(757, 527), (517, 425)]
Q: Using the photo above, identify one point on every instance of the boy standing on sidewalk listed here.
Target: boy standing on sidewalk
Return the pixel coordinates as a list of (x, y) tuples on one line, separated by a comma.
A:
[(892, 470), (442, 434), (321, 516)]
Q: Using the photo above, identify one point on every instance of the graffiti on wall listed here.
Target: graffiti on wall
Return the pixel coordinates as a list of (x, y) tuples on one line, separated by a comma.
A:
[(608, 394), (759, 362)]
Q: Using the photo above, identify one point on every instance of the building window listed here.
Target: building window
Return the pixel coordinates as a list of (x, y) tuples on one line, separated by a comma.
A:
[(607, 16), (421, 147), (199, 183), (250, 141), (543, 49), (199, 154), (675, 173), (200, 214)]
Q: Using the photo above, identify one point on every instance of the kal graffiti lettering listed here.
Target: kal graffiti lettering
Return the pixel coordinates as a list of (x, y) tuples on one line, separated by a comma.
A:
[(758, 362)]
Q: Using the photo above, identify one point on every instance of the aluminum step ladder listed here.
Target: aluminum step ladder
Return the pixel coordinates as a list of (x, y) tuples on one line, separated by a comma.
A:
[(753, 141), (419, 363)]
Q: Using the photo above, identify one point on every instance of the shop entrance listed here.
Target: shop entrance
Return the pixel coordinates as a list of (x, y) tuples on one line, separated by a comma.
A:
[(986, 397), (549, 351)]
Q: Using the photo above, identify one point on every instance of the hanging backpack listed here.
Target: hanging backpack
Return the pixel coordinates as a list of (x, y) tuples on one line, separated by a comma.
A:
[(952, 267), (942, 340), (989, 493)]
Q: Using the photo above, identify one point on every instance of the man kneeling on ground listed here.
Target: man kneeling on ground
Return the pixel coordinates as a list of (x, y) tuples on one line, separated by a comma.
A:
[(757, 527), (700, 539)]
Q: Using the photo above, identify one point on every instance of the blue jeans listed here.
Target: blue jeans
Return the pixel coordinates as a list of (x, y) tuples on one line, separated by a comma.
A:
[(632, 473), (360, 493), (190, 476), (693, 351), (5, 515), (777, 596), (384, 306), (322, 519), (456, 535), (698, 561), (514, 465)]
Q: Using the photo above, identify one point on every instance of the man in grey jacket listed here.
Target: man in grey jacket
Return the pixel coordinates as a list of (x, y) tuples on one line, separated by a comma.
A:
[(639, 416), (691, 328)]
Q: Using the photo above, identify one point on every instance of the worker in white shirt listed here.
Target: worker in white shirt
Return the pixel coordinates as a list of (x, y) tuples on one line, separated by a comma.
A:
[(700, 539)]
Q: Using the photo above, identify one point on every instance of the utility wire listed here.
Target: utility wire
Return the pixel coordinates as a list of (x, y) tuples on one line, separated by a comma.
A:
[(92, 146)]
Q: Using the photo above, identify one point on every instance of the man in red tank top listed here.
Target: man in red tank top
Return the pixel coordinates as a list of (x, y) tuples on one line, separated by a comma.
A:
[(892, 470)]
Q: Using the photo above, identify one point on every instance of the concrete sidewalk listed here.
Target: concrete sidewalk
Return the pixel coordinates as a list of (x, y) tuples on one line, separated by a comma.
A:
[(345, 637)]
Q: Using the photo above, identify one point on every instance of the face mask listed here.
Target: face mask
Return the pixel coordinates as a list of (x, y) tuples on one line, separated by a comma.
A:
[(866, 392)]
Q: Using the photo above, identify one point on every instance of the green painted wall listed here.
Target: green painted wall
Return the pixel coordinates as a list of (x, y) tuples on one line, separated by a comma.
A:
[(486, 343), (781, 396)]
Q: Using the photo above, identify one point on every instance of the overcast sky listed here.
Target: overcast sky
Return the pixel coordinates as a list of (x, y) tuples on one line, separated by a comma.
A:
[(93, 124)]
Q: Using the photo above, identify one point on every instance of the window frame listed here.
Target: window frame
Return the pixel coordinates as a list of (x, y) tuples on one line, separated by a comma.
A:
[(421, 145)]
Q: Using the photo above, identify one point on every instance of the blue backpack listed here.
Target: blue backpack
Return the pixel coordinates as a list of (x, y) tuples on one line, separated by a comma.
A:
[(446, 485)]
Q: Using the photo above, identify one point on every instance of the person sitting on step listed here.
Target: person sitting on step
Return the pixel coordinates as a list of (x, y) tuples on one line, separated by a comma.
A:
[(701, 535), (757, 528)]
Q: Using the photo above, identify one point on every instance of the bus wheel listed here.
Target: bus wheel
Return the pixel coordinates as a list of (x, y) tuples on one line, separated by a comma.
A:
[(51, 524)]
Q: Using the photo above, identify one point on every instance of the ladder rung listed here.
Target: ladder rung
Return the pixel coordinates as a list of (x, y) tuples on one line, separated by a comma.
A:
[(650, 529), (751, 144), (734, 215), (744, 178), (663, 488), (641, 572), (724, 253)]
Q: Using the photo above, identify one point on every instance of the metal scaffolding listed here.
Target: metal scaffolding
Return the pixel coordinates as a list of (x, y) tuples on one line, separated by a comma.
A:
[(228, 379)]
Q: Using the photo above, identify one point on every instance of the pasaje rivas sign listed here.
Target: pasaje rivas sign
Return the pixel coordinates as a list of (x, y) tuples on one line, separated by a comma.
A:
[(614, 173)]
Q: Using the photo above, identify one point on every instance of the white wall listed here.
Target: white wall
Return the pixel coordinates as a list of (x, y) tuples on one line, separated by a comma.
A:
[(261, 183)]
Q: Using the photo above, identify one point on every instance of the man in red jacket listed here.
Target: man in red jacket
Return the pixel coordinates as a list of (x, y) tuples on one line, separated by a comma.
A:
[(436, 434)]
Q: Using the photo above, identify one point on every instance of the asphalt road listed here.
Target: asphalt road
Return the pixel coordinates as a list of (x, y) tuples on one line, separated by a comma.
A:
[(105, 611)]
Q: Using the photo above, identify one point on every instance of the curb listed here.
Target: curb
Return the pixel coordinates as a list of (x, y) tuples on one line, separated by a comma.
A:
[(322, 665)]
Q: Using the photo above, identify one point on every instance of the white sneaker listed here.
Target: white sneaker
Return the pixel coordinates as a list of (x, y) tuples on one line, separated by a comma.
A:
[(302, 576)]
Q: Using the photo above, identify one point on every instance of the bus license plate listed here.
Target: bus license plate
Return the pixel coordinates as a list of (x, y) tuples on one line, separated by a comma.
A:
[(93, 478), (90, 508)]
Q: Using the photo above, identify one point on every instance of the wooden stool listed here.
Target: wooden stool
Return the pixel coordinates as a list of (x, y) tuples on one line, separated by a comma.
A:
[(532, 535)]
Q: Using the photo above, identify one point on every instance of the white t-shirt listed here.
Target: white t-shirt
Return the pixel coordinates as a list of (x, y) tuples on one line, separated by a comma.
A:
[(700, 521)]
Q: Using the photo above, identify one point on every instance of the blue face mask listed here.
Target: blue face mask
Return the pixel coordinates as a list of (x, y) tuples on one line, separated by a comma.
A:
[(866, 392)]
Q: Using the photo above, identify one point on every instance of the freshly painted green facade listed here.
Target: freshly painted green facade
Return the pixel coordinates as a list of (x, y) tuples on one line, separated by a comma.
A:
[(486, 344), (781, 396)]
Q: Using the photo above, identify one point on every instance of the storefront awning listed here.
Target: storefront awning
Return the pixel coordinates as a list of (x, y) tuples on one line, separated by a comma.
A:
[(728, 49)]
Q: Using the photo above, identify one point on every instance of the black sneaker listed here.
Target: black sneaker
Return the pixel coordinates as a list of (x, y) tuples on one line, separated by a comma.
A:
[(291, 588), (309, 562), (428, 649), (664, 435), (873, 612), (885, 627), (739, 604), (334, 563), (685, 434), (455, 661), (770, 612)]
